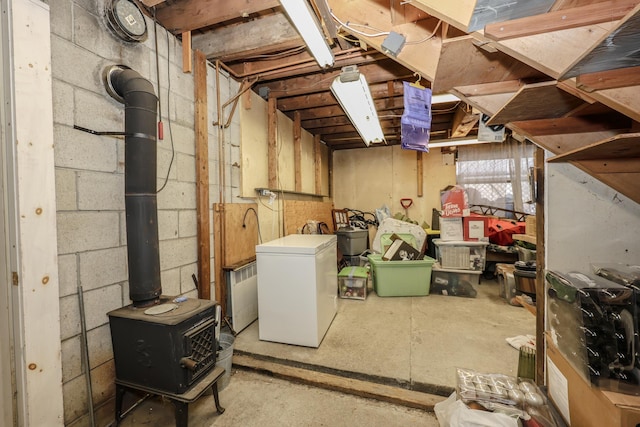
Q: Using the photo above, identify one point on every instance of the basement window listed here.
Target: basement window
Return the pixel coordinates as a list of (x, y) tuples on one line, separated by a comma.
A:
[(498, 175)]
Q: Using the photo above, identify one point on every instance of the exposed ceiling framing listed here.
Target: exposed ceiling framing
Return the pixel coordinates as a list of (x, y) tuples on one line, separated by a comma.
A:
[(564, 73)]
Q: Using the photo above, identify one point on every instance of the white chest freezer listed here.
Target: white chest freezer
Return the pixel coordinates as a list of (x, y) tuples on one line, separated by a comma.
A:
[(297, 288)]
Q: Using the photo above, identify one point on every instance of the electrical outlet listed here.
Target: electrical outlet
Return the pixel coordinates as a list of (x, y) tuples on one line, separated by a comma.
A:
[(264, 192)]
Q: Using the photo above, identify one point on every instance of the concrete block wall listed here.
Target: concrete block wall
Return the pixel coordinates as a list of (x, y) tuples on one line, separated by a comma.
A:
[(90, 185)]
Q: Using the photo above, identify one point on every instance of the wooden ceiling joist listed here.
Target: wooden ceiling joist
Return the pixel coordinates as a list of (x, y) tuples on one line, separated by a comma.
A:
[(261, 36), (302, 63), (188, 15), (374, 73)]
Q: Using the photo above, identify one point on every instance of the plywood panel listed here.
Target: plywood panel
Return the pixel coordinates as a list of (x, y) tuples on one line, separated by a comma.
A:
[(462, 63), (471, 16), (536, 101), (240, 232), (621, 146), (624, 99), (297, 213), (553, 52)]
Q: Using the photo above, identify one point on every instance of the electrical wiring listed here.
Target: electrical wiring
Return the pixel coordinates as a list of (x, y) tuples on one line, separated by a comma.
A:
[(257, 222), (350, 27), (435, 31), (446, 110), (282, 54), (348, 39), (173, 151)]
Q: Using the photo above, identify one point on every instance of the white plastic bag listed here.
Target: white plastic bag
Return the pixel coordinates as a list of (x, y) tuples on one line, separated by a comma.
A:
[(454, 413)]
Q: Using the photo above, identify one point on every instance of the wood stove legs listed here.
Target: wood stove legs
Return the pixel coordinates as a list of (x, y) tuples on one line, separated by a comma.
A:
[(180, 401), (182, 408)]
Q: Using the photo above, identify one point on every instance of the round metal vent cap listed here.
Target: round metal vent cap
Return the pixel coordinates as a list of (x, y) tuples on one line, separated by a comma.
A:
[(126, 20)]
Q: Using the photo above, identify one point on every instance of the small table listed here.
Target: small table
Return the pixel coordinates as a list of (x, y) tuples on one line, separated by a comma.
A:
[(180, 401)]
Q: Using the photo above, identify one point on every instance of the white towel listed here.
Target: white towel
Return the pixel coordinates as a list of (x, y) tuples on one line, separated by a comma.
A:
[(522, 340)]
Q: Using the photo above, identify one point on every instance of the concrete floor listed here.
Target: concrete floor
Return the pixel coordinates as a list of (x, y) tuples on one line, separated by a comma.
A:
[(253, 399), (417, 342), (414, 342)]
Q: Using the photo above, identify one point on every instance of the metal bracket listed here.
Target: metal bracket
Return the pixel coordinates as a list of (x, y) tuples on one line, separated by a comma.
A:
[(96, 132)]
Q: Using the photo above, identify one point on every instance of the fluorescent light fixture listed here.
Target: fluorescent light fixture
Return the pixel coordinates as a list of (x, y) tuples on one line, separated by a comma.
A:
[(309, 29), (455, 142), (352, 92), (444, 97)]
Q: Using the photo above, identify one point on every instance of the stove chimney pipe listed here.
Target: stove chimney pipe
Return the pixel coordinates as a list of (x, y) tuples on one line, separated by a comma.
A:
[(140, 171)]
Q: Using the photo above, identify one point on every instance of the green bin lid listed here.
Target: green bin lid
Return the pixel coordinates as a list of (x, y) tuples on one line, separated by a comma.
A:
[(353, 272)]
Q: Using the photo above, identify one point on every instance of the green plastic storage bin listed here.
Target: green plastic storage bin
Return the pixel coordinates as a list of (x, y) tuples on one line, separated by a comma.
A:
[(401, 278)]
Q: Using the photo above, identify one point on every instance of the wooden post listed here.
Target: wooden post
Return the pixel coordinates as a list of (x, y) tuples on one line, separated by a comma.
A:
[(272, 132), (187, 57), (218, 261), (317, 150), (297, 150), (540, 266), (202, 176), (419, 172)]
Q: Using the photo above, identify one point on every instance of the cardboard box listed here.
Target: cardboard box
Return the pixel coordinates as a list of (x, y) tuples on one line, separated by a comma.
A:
[(582, 405), (530, 225), (451, 229), (401, 251), (475, 228), (454, 203)]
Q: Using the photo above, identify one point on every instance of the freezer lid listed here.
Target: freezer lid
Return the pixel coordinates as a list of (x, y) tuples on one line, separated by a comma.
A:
[(298, 244)]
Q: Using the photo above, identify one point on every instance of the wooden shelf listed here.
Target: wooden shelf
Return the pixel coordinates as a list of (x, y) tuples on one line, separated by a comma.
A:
[(525, 238), (615, 161), (624, 146), (537, 101), (300, 193)]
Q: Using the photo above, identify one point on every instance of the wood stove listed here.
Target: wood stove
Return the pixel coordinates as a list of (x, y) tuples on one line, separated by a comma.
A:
[(168, 351), (163, 345)]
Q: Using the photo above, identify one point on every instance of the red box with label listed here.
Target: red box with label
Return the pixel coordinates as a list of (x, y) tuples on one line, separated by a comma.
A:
[(475, 227)]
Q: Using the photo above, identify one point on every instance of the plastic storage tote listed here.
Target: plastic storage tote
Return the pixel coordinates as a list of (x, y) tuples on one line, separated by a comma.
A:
[(401, 278), (352, 282), (461, 255)]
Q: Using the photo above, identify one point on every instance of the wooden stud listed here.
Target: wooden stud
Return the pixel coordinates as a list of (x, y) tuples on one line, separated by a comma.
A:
[(419, 173), (246, 100), (219, 244), (317, 150), (272, 132), (202, 176), (297, 150), (187, 57)]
